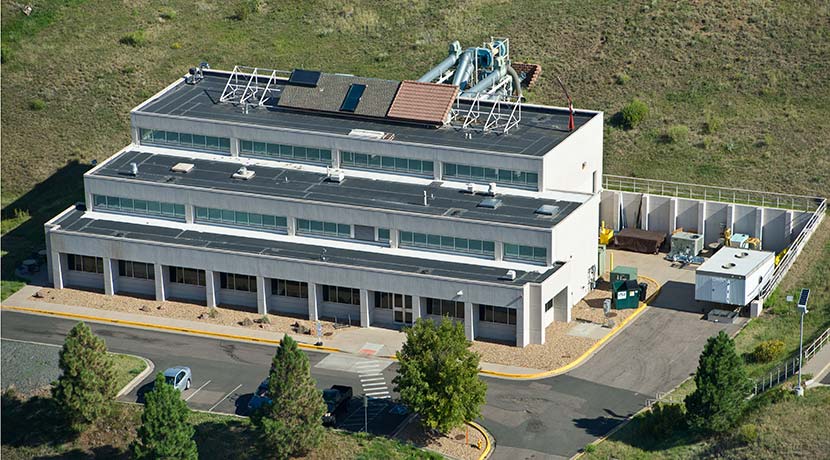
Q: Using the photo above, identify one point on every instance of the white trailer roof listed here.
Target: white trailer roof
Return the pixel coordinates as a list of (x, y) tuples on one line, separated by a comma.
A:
[(735, 262)]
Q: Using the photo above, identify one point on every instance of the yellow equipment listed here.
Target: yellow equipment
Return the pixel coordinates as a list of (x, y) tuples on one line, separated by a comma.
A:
[(780, 256), (755, 243), (605, 234)]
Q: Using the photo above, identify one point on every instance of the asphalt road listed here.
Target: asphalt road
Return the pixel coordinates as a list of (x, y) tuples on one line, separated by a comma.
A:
[(549, 418)]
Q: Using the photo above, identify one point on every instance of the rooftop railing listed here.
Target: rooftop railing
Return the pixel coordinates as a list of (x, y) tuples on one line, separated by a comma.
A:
[(712, 193)]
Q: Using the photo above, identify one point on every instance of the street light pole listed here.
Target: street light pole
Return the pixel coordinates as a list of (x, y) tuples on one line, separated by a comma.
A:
[(802, 308)]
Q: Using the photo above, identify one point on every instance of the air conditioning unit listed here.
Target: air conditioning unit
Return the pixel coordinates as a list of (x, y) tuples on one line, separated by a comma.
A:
[(335, 176), (244, 173)]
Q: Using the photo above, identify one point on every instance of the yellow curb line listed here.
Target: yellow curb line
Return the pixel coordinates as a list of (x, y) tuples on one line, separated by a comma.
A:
[(587, 352), (163, 327), (487, 446)]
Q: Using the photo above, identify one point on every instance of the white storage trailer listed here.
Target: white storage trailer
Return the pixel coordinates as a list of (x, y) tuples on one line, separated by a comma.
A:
[(733, 276)]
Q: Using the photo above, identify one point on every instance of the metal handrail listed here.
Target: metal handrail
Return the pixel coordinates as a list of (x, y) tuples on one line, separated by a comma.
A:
[(791, 366), (711, 193)]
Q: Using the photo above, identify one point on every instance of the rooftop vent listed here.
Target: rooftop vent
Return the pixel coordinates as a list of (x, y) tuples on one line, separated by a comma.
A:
[(510, 275), (133, 169), (182, 167), (490, 203), (244, 173), (548, 210), (491, 189), (741, 255), (370, 134), (728, 266), (335, 175)]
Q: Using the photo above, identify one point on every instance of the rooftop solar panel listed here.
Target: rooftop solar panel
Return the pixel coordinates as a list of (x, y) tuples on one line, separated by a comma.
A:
[(352, 97), (304, 77)]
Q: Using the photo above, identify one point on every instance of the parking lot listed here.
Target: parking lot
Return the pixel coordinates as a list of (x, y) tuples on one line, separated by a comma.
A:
[(215, 390)]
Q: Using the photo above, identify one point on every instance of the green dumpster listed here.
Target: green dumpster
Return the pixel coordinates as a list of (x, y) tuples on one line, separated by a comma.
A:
[(625, 294), (623, 273)]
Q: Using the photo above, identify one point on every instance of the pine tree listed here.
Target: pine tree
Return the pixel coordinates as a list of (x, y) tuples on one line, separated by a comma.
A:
[(86, 388), (291, 424), (722, 386), (165, 431), (438, 375)]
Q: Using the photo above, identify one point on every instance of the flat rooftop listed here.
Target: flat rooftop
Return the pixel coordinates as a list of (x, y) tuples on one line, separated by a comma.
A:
[(539, 131), (734, 262), (76, 222), (354, 191)]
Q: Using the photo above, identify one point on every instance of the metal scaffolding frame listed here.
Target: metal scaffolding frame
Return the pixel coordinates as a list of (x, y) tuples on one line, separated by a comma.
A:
[(252, 86)]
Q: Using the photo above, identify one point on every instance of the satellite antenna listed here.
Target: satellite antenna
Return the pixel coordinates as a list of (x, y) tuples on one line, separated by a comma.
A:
[(570, 104)]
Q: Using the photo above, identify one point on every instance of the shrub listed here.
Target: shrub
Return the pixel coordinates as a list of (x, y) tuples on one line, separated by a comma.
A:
[(767, 351), (662, 420), (244, 9), (37, 104), (168, 14), (712, 124), (590, 448), (134, 39), (86, 388), (748, 433), (621, 78), (634, 113), (213, 312), (677, 134), (175, 45)]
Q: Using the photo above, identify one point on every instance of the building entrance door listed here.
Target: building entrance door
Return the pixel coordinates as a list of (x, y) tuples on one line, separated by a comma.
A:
[(402, 308)]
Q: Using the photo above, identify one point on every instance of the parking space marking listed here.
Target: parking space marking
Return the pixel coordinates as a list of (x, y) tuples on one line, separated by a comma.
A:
[(196, 391), (225, 397)]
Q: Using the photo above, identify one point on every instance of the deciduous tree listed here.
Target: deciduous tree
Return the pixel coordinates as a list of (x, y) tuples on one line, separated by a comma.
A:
[(438, 375)]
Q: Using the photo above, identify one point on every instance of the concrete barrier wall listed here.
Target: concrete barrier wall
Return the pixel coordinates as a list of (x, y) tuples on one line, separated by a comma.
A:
[(775, 227)]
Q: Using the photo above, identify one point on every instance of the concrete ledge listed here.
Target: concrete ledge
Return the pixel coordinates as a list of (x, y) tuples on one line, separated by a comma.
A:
[(488, 446)]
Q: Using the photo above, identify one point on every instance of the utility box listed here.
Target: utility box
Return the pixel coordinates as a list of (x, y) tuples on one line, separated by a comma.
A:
[(602, 266), (686, 243), (625, 294), (733, 276), (623, 273)]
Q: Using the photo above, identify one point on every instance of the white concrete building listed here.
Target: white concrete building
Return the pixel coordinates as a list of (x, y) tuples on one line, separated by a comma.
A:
[(355, 215)]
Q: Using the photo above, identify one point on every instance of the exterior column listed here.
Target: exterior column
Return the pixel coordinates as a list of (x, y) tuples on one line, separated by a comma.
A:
[(523, 320), (110, 280), (313, 301), (57, 269), (499, 251), (161, 283), (436, 170), (189, 213), (416, 308), (701, 217), (365, 314), (261, 296), (394, 238), (292, 226), (644, 207), (234, 147), (470, 321), (759, 225), (210, 288), (672, 214)]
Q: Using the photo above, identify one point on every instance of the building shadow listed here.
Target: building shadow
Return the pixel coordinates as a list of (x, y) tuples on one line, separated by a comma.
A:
[(679, 296), (43, 202)]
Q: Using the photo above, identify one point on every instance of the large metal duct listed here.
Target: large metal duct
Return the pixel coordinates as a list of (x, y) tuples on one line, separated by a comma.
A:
[(437, 71), (491, 79), (517, 82), (462, 70)]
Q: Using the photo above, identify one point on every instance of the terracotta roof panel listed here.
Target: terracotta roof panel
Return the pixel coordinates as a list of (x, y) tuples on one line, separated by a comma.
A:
[(423, 102)]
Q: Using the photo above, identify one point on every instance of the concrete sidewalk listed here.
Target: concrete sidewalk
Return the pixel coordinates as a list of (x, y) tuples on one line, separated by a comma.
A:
[(818, 367), (371, 341)]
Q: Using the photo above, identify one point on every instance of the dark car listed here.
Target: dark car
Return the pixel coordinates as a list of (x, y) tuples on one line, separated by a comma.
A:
[(335, 397), (260, 397)]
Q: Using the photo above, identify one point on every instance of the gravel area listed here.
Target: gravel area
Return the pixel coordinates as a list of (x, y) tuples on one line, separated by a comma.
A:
[(452, 445), (28, 367), (559, 348), (225, 316)]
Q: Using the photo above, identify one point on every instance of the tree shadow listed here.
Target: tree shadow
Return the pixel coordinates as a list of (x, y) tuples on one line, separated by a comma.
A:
[(597, 426), (43, 202), (108, 452), (226, 439), (33, 422)]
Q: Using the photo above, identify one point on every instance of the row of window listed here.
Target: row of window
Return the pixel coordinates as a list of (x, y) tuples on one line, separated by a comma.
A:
[(87, 264), (241, 218), (339, 294), (138, 270), (285, 152), (491, 314), (185, 140), (387, 163), (525, 253), (443, 307), (287, 288), (387, 300), (235, 282), (523, 179), (316, 227), (447, 243), (152, 208), (183, 275)]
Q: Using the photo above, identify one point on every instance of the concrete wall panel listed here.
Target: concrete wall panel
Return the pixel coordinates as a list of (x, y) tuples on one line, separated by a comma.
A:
[(687, 214), (658, 214)]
